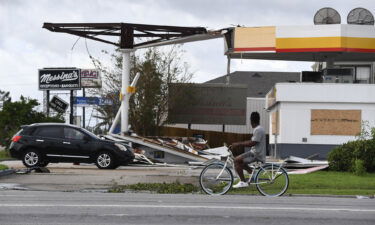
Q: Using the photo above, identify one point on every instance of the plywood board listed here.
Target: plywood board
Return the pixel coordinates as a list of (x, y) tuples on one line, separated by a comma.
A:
[(254, 37), (271, 97), (275, 122), (335, 122)]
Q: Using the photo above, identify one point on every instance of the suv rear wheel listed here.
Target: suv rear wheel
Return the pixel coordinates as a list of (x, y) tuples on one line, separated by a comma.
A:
[(105, 160), (31, 158)]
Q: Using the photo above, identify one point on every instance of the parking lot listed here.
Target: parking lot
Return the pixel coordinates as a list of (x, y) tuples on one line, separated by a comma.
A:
[(86, 177)]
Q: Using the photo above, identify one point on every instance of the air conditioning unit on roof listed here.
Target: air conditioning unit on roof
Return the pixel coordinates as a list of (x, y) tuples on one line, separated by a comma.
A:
[(338, 75)]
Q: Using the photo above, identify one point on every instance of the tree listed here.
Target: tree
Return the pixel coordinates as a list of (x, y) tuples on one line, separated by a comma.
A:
[(149, 104), (15, 114), (4, 96)]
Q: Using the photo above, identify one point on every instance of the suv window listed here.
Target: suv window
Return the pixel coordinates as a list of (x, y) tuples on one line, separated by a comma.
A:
[(71, 133), (52, 132)]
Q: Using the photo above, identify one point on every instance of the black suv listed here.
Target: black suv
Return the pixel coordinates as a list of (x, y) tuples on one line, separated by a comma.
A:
[(38, 144)]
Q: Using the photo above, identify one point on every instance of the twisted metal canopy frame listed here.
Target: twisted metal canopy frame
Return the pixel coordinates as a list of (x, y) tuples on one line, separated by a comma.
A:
[(127, 32)]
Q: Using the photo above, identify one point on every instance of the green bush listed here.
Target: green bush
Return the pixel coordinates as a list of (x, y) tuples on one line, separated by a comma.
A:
[(343, 158), (340, 158), (359, 168)]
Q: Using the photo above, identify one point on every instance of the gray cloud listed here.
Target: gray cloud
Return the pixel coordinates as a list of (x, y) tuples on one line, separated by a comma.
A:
[(25, 46)]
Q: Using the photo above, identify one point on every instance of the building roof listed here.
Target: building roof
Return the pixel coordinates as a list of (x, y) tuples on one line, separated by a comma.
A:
[(259, 83)]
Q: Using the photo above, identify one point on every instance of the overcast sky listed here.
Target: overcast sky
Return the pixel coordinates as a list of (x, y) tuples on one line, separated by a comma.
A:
[(25, 47)]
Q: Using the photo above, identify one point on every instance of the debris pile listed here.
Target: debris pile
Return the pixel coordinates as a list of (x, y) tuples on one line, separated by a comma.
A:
[(175, 150), (190, 144)]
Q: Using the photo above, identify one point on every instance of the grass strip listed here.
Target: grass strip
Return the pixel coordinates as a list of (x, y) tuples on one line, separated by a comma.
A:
[(160, 188), (317, 183), (4, 155), (324, 183), (3, 167)]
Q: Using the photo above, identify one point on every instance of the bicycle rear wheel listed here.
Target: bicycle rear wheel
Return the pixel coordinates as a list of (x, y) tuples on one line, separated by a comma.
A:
[(272, 180), (215, 179)]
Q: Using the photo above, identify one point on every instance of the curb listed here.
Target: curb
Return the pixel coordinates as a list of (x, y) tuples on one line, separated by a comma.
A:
[(320, 195), (7, 172)]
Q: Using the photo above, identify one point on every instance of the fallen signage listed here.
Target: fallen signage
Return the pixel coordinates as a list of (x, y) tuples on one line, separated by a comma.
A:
[(59, 79), (58, 104)]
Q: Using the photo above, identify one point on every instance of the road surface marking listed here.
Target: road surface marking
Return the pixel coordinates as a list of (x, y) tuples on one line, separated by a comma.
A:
[(194, 207)]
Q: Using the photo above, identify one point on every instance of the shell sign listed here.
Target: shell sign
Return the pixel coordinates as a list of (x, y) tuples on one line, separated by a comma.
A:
[(314, 38)]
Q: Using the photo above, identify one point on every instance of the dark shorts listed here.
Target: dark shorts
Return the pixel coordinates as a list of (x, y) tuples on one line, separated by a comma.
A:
[(249, 157)]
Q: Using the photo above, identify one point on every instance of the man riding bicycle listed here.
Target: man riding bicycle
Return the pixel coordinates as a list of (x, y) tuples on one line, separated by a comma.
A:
[(256, 153)]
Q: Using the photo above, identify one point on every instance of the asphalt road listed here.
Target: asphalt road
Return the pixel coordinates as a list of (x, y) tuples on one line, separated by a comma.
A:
[(41, 207)]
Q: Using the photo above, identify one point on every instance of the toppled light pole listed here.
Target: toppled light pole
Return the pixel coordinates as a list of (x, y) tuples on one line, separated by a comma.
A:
[(156, 35), (130, 92)]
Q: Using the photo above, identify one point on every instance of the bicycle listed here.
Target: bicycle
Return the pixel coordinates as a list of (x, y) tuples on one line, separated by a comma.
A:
[(270, 179)]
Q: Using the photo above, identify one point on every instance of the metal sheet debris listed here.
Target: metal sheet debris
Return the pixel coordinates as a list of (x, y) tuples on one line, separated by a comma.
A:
[(297, 162), (308, 170)]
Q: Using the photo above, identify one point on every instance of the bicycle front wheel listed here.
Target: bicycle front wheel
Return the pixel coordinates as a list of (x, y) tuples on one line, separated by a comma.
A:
[(215, 179), (272, 180)]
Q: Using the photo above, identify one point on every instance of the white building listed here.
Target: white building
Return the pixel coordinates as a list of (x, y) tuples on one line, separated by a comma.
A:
[(313, 118)]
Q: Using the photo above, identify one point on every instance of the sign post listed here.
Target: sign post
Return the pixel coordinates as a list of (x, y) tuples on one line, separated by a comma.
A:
[(84, 110)]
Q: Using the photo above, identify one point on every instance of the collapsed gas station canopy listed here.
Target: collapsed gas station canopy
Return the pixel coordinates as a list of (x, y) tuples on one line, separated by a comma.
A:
[(133, 36), (333, 42)]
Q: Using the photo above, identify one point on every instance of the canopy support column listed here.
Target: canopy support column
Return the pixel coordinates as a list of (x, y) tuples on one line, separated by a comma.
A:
[(124, 92)]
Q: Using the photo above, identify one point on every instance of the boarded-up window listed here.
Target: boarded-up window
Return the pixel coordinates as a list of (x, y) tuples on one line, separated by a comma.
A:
[(335, 122), (275, 122)]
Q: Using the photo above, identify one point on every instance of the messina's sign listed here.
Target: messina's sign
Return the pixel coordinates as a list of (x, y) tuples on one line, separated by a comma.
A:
[(59, 79)]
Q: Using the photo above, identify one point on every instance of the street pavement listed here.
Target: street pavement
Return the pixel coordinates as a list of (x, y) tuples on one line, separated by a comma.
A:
[(41, 207), (69, 177)]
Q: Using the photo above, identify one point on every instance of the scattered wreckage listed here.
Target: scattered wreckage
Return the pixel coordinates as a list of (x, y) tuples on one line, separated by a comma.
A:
[(165, 149), (157, 150)]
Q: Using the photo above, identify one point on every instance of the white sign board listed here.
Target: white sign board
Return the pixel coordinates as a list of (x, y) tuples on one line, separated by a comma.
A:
[(90, 78)]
